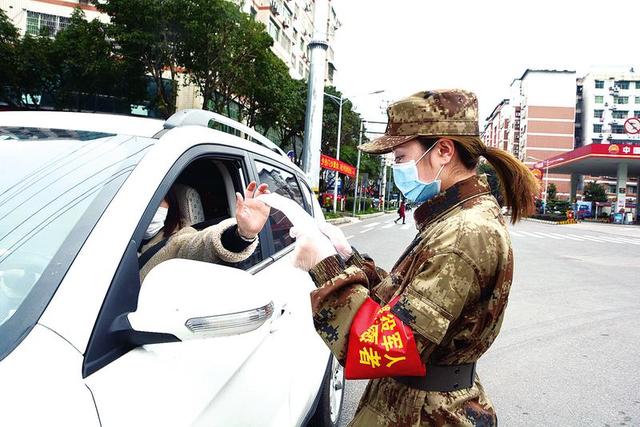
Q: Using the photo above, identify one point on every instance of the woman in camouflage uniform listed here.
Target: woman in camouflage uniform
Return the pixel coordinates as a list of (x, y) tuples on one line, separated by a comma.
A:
[(448, 291)]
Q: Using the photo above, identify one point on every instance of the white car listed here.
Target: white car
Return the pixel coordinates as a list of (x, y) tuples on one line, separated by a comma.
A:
[(82, 343)]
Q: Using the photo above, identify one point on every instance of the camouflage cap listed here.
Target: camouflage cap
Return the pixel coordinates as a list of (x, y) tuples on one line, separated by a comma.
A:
[(428, 113)]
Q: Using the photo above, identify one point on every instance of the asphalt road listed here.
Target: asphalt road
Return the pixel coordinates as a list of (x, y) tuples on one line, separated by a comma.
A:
[(569, 347)]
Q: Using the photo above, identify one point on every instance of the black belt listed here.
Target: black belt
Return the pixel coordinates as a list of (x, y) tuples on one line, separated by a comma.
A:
[(442, 378)]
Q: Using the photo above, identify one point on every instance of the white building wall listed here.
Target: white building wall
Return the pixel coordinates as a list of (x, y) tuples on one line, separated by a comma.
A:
[(611, 110), (549, 89)]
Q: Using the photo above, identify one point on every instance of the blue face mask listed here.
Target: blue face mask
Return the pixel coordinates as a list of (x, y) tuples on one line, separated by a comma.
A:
[(405, 176)]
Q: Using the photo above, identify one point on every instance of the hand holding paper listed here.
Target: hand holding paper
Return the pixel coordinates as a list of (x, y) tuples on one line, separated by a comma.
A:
[(314, 240)]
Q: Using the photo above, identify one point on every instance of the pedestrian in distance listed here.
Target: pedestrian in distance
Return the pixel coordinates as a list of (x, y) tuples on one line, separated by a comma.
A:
[(418, 331), (401, 213)]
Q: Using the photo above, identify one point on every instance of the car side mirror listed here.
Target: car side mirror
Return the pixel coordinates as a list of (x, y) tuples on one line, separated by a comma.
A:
[(193, 300)]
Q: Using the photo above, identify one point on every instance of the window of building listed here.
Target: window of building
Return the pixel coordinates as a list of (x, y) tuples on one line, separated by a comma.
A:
[(615, 128), (623, 84), (285, 42), (598, 113), (253, 13), (636, 113), (599, 84), (637, 100), (37, 23), (597, 128), (301, 69), (638, 85), (599, 99), (619, 114), (620, 99), (274, 30), (294, 41), (611, 188)]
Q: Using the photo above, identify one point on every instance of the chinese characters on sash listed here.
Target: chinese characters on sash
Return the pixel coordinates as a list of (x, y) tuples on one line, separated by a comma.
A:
[(380, 345)]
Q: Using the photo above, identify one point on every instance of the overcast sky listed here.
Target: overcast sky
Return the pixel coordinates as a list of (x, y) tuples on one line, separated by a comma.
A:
[(404, 46)]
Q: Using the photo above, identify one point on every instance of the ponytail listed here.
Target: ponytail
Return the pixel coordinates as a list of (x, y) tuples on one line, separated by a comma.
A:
[(518, 185)]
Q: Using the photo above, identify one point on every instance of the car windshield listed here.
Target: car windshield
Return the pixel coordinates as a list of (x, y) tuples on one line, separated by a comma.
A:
[(54, 185)]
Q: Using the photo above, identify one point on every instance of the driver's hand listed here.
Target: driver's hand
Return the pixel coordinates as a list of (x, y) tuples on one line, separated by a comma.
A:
[(251, 214)]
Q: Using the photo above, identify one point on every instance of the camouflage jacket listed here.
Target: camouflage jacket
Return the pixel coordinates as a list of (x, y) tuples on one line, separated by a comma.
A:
[(453, 281)]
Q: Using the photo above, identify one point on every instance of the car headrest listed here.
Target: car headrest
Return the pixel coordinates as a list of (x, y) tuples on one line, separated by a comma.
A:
[(190, 205)]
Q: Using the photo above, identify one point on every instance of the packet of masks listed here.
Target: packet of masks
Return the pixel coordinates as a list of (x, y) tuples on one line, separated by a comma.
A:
[(304, 224)]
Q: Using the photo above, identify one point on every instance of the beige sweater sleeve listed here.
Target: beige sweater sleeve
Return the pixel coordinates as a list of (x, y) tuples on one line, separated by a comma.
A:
[(204, 245)]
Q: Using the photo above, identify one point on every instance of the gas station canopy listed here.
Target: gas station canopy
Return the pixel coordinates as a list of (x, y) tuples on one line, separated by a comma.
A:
[(595, 160)]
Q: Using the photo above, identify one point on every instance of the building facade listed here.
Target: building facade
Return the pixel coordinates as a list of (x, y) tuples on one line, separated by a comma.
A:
[(550, 112)]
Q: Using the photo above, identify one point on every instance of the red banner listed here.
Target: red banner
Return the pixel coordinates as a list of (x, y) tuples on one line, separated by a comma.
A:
[(330, 163)]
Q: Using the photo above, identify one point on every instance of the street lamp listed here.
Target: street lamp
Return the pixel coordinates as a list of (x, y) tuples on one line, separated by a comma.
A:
[(340, 101), (546, 178)]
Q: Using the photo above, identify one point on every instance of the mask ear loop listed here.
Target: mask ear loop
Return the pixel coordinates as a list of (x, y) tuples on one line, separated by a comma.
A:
[(439, 172)]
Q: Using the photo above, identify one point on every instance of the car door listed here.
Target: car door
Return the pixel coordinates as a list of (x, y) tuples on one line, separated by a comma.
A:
[(307, 355), (226, 381)]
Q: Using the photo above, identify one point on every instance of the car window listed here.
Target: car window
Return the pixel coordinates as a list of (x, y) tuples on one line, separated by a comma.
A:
[(201, 197), (307, 198), (285, 184)]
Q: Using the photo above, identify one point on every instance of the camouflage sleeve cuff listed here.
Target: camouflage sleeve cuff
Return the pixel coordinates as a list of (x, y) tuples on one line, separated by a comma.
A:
[(327, 269), (355, 259)]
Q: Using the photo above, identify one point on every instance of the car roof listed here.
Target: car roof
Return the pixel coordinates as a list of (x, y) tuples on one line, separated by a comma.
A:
[(127, 125), (95, 122)]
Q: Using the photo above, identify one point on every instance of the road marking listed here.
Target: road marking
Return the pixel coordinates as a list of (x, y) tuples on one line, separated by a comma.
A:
[(566, 236), (549, 235), (587, 238), (389, 225), (371, 224), (613, 239), (405, 227), (365, 230), (515, 233), (526, 233), (623, 240), (349, 237)]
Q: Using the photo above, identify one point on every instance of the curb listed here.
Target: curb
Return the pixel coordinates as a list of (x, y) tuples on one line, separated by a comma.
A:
[(542, 221), (338, 221), (373, 215)]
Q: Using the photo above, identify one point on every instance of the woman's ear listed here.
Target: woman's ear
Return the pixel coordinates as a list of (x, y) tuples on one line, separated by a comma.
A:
[(445, 150)]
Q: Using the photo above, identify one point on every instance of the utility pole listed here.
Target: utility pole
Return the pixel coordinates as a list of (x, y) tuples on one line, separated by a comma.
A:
[(355, 191), (315, 94)]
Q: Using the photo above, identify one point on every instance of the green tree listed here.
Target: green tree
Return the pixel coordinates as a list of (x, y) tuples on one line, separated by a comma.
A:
[(552, 192), (594, 192), (36, 69), (87, 67), (146, 31), (9, 40)]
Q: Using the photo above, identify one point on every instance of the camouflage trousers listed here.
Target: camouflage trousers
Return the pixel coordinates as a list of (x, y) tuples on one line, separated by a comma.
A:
[(389, 403)]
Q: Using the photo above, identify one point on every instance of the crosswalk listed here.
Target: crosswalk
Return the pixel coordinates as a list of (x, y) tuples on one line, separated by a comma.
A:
[(575, 237), (539, 236)]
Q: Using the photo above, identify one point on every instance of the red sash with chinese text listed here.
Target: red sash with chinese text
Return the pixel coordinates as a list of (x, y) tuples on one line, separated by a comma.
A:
[(380, 345)]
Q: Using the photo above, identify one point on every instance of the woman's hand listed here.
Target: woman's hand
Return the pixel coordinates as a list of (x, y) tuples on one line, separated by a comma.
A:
[(310, 248), (251, 214)]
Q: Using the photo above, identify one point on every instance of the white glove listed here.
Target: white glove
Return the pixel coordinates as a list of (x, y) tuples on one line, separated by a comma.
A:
[(311, 248), (338, 239)]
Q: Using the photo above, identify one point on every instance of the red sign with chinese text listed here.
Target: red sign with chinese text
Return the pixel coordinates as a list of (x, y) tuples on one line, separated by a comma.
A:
[(380, 345), (330, 163)]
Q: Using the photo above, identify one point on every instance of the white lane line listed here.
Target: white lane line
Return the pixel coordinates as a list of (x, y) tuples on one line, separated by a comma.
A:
[(371, 224), (388, 225), (365, 230), (587, 238), (526, 233), (612, 239), (566, 236), (406, 226), (515, 233), (622, 240), (349, 237), (548, 235)]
